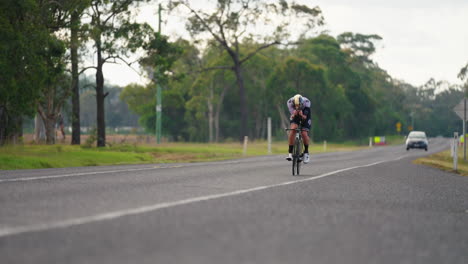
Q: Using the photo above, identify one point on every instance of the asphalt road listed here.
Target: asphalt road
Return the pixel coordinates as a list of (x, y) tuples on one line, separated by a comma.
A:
[(369, 206)]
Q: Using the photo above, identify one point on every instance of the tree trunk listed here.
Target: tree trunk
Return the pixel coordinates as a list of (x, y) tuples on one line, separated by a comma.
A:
[(39, 129), (243, 100), (3, 125), (20, 128), (75, 20), (283, 117), (210, 114), (15, 130), (101, 125), (48, 117), (210, 121), (216, 126), (218, 111), (11, 127), (49, 124), (216, 119), (259, 126)]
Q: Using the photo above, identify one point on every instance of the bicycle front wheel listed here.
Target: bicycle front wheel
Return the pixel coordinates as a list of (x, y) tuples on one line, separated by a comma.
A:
[(297, 157), (298, 166), (294, 165)]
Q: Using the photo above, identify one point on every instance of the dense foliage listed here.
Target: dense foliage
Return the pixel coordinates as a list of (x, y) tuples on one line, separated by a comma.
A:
[(352, 97), (217, 91), (23, 64)]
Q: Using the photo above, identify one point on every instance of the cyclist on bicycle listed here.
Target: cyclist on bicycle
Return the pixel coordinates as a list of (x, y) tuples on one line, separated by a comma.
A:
[(299, 107)]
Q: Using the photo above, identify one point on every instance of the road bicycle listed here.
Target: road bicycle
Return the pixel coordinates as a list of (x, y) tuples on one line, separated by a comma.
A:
[(297, 150)]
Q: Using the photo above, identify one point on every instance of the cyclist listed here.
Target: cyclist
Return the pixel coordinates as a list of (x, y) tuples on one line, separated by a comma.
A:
[(299, 107)]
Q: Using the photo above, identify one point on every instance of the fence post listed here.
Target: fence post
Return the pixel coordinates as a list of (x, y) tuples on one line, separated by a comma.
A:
[(324, 145), (246, 140), (455, 151)]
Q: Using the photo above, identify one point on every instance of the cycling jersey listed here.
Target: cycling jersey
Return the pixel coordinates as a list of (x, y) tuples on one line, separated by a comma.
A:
[(306, 123)]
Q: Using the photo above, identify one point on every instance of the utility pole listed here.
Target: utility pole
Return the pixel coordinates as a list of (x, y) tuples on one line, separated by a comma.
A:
[(412, 120), (158, 91)]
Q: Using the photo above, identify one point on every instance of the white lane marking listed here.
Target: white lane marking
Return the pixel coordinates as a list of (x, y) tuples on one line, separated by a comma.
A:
[(69, 175), (98, 172), (5, 231)]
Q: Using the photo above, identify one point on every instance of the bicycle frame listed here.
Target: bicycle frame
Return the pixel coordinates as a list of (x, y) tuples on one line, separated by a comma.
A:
[(297, 150)]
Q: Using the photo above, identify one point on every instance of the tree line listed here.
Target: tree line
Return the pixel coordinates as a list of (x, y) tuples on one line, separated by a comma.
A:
[(352, 97), (241, 64)]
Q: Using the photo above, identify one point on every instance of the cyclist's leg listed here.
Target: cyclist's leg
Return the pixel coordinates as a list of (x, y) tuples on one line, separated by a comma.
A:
[(306, 124), (292, 135), (305, 137)]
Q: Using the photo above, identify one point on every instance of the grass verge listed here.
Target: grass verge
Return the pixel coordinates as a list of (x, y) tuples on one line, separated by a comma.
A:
[(444, 161), (60, 156)]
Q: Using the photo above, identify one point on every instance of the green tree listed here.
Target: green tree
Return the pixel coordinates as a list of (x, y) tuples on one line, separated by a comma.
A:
[(118, 113), (231, 21), (23, 36), (444, 121), (208, 92), (257, 72), (359, 45), (77, 8), (298, 76), (55, 89), (359, 91), (115, 36), (463, 75), (350, 79), (158, 61), (58, 16), (141, 101)]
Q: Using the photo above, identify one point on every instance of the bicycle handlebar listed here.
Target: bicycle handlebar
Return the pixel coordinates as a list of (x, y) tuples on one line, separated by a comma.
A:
[(296, 129)]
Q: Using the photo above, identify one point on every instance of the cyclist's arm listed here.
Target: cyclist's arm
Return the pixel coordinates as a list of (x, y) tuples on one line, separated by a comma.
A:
[(302, 114), (289, 103), (306, 113)]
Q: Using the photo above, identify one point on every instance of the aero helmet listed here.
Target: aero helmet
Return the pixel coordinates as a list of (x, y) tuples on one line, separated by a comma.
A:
[(298, 101)]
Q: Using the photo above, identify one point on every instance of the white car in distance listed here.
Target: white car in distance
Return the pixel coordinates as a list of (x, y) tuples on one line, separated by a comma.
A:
[(417, 139)]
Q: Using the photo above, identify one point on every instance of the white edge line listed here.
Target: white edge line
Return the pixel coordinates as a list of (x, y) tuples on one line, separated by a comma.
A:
[(150, 208), (69, 175), (93, 173)]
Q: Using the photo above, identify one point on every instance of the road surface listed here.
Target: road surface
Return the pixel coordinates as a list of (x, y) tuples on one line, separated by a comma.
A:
[(368, 206)]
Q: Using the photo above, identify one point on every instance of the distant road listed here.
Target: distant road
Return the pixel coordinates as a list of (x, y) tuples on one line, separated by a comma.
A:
[(368, 206)]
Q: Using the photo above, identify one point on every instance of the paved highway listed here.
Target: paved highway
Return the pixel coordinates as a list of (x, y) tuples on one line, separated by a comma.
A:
[(368, 206)]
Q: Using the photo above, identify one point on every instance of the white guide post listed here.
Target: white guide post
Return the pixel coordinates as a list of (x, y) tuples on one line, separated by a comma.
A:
[(269, 134), (455, 151), (246, 140)]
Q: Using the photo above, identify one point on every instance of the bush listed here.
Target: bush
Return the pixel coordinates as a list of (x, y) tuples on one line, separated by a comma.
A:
[(92, 138)]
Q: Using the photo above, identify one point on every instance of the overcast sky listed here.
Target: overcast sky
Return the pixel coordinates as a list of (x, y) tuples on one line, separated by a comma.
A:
[(421, 38)]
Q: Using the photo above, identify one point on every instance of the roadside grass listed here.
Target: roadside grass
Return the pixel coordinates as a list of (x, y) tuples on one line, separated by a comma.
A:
[(444, 161), (32, 156), (59, 156), (395, 140)]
